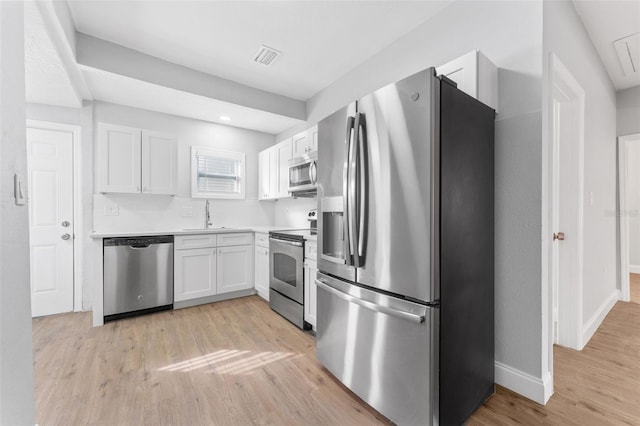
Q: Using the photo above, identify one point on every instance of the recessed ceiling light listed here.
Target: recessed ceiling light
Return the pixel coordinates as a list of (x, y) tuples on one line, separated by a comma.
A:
[(225, 118)]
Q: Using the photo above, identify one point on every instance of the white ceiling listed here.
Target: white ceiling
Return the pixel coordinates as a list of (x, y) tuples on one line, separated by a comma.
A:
[(46, 81), (320, 40), (606, 22)]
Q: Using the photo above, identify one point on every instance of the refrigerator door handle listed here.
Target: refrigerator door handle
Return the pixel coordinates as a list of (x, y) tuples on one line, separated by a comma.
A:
[(352, 194), (345, 192), (362, 185), (408, 316)]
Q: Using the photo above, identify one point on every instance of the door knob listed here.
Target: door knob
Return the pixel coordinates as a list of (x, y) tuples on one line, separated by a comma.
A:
[(558, 236), (65, 223), (65, 236)]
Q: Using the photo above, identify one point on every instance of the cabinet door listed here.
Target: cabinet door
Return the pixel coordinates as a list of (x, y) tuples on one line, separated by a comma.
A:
[(159, 163), (463, 71), (283, 151), (235, 268), (313, 138), (118, 159), (264, 174), (195, 273), (273, 173), (300, 144), (310, 292), (262, 271)]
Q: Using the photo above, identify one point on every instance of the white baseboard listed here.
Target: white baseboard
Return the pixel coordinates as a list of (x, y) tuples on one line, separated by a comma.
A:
[(536, 389), (590, 327), (634, 269)]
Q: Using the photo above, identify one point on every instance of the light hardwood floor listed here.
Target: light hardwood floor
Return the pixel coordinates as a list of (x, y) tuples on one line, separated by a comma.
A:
[(237, 362), (634, 287)]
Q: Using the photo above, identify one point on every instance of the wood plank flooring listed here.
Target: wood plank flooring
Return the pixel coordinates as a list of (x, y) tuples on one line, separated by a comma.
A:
[(237, 362), (634, 284)]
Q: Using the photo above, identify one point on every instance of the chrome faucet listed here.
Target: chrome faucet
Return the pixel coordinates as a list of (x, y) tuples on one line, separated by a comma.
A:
[(208, 214)]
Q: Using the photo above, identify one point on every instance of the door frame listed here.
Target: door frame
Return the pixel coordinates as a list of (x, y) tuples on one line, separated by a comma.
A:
[(77, 228), (623, 168), (571, 328)]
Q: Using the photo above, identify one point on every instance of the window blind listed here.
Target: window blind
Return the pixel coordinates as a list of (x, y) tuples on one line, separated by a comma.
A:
[(218, 174)]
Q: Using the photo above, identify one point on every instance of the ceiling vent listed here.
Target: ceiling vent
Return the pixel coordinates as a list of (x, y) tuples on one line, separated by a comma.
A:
[(628, 50), (266, 55)]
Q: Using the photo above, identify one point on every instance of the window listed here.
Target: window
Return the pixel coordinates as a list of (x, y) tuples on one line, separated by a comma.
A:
[(216, 173)]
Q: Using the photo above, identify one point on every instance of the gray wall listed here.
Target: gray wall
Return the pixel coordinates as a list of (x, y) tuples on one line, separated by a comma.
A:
[(16, 348), (510, 34), (628, 107)]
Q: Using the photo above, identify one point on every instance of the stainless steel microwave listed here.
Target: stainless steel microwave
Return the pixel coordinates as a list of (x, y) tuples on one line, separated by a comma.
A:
[(303, 175)]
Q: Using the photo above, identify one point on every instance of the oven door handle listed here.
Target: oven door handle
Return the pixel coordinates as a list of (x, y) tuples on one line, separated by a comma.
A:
[(291, 243)]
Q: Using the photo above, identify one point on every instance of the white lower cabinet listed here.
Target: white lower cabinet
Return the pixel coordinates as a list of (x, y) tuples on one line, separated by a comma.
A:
[(235, 270), (195, 273), (261, 255), (310, 288), (209, 265)]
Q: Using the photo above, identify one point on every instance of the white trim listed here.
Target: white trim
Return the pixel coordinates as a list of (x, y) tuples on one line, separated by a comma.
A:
[(536, 389), (591, 326), (77, 202), (633, 269), (569, 330), (623, 237)]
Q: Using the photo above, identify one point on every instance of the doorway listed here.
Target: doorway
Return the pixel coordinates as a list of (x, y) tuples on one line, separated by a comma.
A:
[(567, 182), (629, 214), (52, 228)]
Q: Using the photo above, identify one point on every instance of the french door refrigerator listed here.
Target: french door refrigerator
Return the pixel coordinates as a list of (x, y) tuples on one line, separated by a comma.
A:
[(405, 240)]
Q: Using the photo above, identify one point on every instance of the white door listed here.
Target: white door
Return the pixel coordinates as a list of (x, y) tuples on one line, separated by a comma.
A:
[(262, 271), (194, 273), (50, 163), (235, 268), (567, 211), (119, 159), (284, 155), (300, 144), (159, 163)]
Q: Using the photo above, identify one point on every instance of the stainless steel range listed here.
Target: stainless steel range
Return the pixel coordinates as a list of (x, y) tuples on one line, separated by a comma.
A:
[(286, 274)]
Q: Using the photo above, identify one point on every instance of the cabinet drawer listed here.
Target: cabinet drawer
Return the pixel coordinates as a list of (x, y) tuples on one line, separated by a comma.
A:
[(239, 239), (310, 250), (262, 240), (195, 241)]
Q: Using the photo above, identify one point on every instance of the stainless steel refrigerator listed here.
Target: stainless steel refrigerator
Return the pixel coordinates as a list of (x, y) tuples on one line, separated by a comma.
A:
[(405, 250)]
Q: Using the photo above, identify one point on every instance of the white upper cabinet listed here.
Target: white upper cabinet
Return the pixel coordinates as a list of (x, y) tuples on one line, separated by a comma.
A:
[(283, 151), (274, 171), (118, 162), (475, 75), (131, 160), (313, 138), (159, 163), (264, 175), (300, 144)]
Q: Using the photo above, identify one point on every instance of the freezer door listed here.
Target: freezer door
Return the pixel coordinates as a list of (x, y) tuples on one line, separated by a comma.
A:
[(382, 348), (335, 134), (396, 187)]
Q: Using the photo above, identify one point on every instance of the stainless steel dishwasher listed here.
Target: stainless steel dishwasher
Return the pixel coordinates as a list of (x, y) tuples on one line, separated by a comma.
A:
[(138, 275)]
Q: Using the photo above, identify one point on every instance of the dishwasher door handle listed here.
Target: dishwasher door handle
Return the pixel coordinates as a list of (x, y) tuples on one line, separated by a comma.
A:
[(139, 247)]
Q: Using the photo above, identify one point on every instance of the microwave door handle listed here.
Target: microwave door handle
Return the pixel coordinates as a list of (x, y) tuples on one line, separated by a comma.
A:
[(345, 192), (363, 188), (313, 173)]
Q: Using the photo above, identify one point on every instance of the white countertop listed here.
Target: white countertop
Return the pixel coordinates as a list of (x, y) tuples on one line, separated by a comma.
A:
[(261, 229)]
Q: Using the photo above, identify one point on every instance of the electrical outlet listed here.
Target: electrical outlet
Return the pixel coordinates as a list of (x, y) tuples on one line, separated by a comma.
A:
[(111, 210), (187, 211)]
